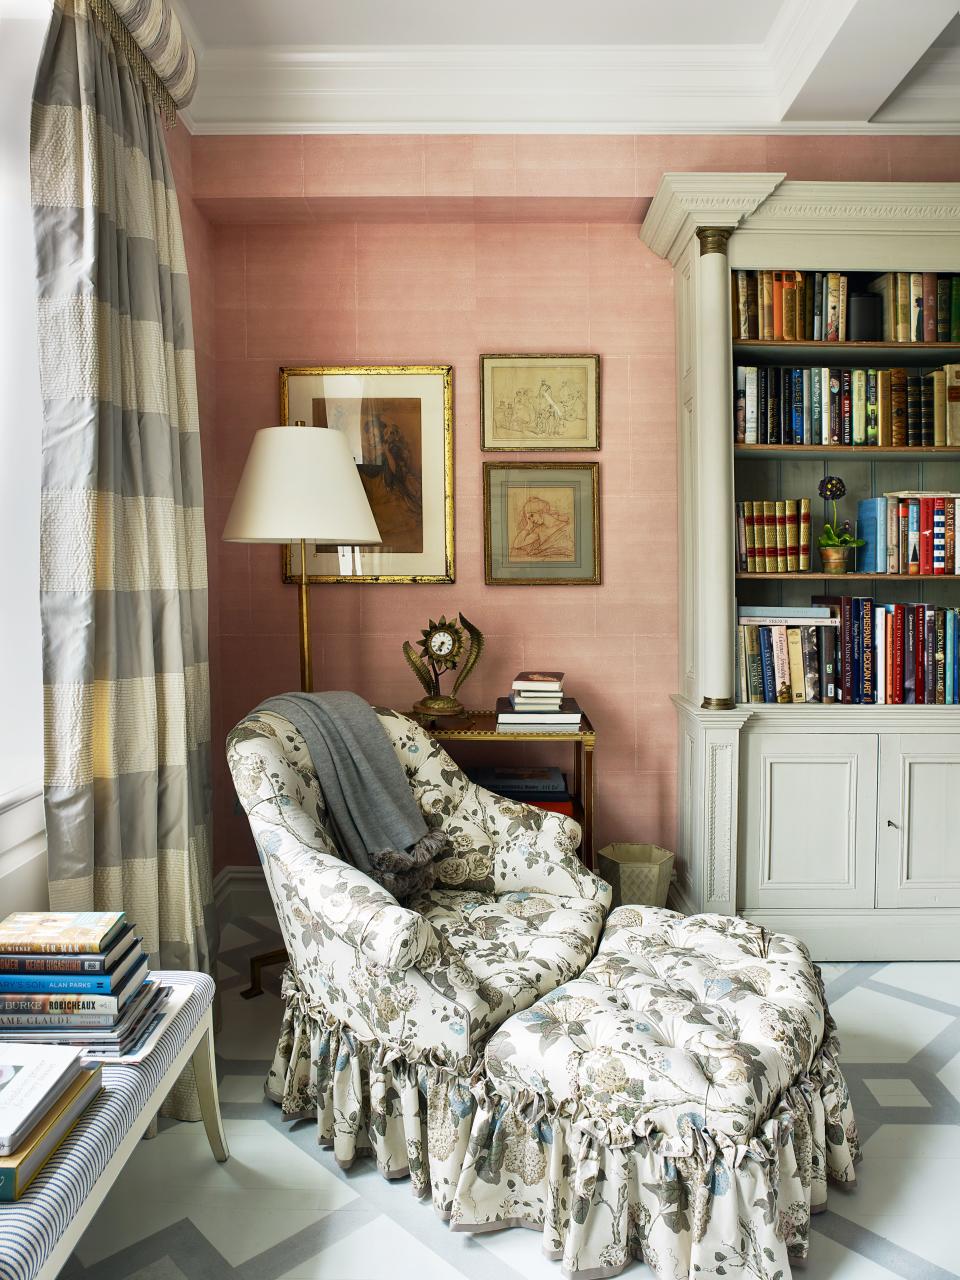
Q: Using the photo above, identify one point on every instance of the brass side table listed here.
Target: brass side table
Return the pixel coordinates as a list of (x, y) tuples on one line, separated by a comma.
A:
[(481, 726)]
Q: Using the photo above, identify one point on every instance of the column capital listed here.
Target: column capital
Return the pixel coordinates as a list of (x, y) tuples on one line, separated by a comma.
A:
[(713, 239)]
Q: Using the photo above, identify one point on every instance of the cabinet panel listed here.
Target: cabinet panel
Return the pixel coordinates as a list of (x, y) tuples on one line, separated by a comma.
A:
[(808, 836), (919, 836)]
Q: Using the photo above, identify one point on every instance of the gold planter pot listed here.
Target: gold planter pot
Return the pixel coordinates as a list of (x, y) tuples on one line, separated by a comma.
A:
[(835, 559)]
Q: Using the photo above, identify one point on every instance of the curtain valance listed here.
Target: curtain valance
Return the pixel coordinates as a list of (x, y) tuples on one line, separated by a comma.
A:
[(156, 45)]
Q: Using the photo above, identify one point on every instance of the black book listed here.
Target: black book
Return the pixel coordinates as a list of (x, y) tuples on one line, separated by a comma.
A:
[(914, 401), (867, 673), (827, 648), (773, 406), (846, 407), (943, 308), (929, 655), (926, 411), (910, 655)]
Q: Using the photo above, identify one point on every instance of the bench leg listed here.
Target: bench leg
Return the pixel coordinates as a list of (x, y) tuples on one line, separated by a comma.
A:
[(205, 1071)]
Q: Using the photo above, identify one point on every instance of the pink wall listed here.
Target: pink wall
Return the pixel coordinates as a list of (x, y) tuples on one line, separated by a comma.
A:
[(408, 249)]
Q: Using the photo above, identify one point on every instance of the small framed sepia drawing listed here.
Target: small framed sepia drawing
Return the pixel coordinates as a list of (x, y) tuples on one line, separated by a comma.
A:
[(539, 403), (541, 523), (399, 422)]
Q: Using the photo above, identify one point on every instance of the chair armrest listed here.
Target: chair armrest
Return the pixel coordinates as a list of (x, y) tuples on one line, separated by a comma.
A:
[(536, 849), (339, 898)]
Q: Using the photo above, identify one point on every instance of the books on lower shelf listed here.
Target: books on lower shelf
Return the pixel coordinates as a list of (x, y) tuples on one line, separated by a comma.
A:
[(545, 788), (893, 408), (831, 306), (108, 1008), (773, 535), (849, 649)]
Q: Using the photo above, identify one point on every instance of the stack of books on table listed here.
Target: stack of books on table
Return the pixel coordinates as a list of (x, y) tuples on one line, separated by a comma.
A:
[(77, 978), (537, 705), (44, 1089), (545, 788)]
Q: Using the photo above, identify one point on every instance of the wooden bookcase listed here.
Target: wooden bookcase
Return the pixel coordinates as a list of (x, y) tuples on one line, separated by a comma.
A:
[(837, 823)]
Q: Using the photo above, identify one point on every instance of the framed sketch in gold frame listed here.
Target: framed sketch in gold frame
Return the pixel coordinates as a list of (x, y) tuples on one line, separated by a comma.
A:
[(539, 403), (541, 523), (399, 423)]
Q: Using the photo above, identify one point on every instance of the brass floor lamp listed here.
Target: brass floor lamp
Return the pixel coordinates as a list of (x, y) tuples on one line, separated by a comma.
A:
[(299, 484)]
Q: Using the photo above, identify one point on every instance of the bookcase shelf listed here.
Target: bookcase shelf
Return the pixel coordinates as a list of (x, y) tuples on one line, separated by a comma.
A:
[(855, 354), (813, 576), (835, 822), (862, 452)]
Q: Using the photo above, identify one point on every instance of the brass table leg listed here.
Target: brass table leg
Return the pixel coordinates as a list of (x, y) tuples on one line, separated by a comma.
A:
[(257, 966), (588, 804)]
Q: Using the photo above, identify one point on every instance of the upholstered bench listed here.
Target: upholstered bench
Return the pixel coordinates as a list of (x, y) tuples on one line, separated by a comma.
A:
[(39, 1231), (679, 1102)]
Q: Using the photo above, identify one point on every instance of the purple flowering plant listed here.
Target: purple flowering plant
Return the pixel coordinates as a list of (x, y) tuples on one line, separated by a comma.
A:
[(832, 489)]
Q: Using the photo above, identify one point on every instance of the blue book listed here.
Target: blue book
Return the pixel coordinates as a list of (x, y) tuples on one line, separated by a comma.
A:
[(950, 696), (766, 665), (855, 649), (798, 406), (872, 527), (48, 984)]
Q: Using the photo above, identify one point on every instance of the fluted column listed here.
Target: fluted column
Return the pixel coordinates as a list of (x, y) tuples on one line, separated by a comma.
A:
[(714, 414)]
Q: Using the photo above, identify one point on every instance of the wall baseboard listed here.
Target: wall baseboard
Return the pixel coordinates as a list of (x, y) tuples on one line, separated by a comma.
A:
[(241, 891)]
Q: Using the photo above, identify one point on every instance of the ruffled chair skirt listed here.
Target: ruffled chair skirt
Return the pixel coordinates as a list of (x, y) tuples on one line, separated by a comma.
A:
[(601, 1198)]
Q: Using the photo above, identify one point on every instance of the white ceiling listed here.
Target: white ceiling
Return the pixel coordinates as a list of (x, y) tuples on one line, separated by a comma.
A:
[(499, 22), (541, 66)]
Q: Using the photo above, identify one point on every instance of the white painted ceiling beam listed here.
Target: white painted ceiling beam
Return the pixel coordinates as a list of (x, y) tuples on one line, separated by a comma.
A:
[(867, 47)]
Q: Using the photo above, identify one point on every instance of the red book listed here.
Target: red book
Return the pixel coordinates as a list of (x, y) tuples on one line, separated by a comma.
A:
[(896, 677), (929, 306), (926, 535), (553, 806), (846, 647), (921, 650)]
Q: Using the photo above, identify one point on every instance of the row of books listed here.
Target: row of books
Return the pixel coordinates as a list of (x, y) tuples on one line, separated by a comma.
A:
[(897, 408), (849, 649), (773, 535), (77, 978), (819, 306), (914, 533), (545, 787), (537, 704)]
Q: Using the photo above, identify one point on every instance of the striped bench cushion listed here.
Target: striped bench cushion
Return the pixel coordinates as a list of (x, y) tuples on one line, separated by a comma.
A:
[(31, 1227)]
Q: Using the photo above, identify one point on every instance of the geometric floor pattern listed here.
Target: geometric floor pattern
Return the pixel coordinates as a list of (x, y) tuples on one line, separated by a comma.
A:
[(280, 1209)]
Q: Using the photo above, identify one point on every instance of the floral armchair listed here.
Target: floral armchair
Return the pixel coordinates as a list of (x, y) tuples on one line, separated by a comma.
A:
[(385, 1002)]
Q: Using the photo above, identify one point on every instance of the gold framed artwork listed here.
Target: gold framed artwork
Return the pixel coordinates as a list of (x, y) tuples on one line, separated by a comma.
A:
[(539, 403), (398, 420), (541, 523)]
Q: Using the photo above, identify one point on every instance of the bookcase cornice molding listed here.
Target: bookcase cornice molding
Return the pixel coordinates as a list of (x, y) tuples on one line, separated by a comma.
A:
[(853, 208), (685, 202)]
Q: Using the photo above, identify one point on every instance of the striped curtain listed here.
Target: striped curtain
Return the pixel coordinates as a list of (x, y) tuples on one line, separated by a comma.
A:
[(123, 556)]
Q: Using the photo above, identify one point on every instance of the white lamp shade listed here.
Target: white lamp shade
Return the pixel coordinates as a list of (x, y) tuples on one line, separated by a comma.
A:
[(301, 482)]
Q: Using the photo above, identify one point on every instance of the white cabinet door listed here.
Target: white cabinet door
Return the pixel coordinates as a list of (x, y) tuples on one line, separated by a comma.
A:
[(918, 861), (808, 837)]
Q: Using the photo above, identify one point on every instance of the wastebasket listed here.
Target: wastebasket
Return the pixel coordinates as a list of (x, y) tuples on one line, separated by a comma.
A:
[(637, 873)]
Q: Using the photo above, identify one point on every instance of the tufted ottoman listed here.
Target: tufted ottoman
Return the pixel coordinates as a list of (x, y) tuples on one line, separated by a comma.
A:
[(679, 1102)]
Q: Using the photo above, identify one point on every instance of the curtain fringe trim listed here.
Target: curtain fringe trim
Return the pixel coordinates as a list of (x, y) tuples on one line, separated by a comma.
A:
[(139, 62)]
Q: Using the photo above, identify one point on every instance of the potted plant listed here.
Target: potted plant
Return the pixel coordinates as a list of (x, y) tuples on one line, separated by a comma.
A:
[(837, 540)]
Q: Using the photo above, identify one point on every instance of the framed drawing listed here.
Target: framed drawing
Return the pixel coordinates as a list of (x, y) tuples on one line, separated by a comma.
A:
[(539, 402), (541, 523), (399, 422)]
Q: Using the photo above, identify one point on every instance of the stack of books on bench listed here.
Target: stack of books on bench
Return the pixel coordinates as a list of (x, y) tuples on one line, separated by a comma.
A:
[(545, 788), (44, 1090), (537, 705), (76, 978)]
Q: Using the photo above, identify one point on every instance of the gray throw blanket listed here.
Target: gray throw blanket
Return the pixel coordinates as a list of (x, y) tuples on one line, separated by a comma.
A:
[(375, 820)]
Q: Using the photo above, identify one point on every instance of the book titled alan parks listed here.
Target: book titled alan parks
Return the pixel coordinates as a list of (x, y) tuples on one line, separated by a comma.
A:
[(59, 932)]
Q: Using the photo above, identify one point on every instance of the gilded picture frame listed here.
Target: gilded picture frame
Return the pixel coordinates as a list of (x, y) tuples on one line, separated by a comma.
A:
[(541, 523), (539, 403), (399, 423)]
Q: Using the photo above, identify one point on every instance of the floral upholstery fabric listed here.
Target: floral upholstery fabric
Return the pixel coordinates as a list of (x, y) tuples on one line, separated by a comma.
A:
[(428, 979), (676, 1098), (679, 1102)]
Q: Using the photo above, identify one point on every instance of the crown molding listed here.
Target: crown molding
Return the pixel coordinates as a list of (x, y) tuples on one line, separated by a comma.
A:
[(915, 208), (686, 201)]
